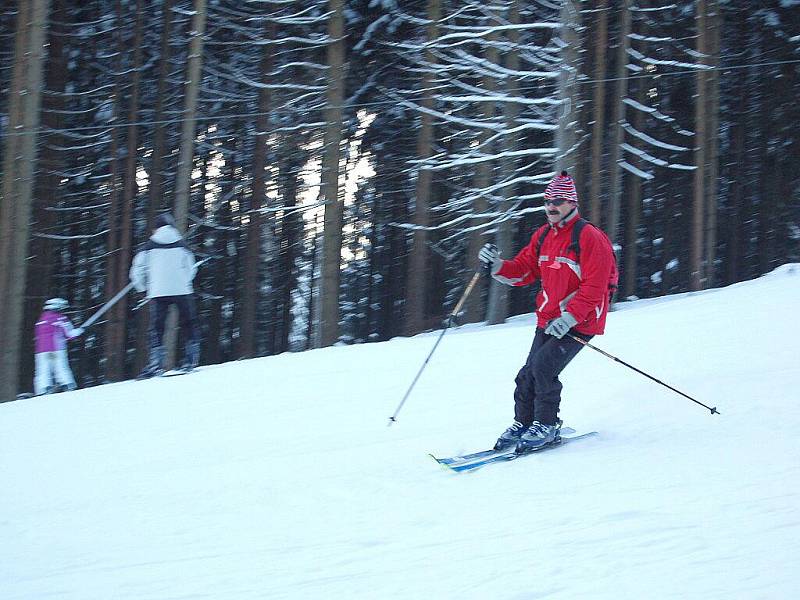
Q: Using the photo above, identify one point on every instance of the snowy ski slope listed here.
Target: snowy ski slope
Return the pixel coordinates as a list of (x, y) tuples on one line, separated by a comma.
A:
[(278, 478)]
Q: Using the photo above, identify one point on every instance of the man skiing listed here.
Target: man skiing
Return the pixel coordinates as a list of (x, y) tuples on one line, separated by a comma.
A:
[(165, 269), (577, 270), (52, 330)]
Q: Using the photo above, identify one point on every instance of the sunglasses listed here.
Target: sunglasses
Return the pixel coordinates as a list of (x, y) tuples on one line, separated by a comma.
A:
[(556, 201)]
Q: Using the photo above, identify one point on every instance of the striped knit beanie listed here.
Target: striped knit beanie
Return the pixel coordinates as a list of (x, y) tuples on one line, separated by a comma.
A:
[(562, 186)]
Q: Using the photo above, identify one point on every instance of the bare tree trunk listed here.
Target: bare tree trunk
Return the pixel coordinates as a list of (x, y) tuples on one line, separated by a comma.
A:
[(328, 330), (129, 189), (155, 174), (697, 273), (418, 270), (17, 190), (46, 190), (714, 26), (767, 215), (633, 207), (474, 306), (313, 284), (377, 259), (396, 244), (291, 231), (220, 267), (183, 181), (599, 112), (581, 94), (567, 133), (633, 191), (118, 314), (111, 350), (247, 347), (11, 161), (736, 226), (620, 91), (156, 191), (498, 305)]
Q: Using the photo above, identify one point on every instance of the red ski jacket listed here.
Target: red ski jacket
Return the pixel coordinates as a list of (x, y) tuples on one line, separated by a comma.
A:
[(578, 285)]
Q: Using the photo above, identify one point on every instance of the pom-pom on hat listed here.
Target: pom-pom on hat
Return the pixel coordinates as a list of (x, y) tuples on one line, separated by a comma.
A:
[(562, 186)]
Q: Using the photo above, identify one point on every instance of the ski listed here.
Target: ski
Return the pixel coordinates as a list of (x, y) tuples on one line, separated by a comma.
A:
[(483, 453), (170, 373), (449, 460), (175, 372), (508, 455)]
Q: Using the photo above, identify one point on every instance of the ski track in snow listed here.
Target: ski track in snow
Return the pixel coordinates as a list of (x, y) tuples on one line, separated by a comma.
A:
[(278, 477)]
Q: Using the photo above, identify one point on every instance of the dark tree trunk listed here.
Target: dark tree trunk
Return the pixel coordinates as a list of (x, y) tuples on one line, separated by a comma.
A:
[(255, 226), (598, 111), (291, 231), (47, 193), (119, 312), (328, 298), (19, 161), (420, 257), (699, 197), (156, 190)]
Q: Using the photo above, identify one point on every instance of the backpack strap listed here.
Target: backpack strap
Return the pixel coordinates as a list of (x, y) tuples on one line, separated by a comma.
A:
[(545, 230), (575, 245), (576, 236)]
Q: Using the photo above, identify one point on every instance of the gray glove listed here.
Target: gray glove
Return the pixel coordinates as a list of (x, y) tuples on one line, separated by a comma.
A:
[(489, 255), (560, 326)]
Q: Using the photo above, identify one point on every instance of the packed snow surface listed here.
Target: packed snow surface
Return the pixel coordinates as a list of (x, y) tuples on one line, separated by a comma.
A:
[(278, 477)]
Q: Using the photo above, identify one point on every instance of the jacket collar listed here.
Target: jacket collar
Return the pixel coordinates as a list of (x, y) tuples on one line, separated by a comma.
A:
[(567, 221)]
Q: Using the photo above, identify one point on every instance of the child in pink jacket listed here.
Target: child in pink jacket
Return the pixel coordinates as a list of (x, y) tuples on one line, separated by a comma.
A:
[(52, 331)]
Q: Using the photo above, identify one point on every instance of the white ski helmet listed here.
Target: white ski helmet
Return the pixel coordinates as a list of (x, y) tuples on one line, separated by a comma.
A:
[(56, 304)]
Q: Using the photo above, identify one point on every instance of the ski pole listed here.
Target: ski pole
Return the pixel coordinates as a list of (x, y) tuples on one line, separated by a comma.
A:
[(106, 306), (141, 303), (713, 409), (470, 285)]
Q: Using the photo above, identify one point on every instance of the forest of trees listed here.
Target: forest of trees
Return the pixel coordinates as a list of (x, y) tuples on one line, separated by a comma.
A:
[(340, 162)]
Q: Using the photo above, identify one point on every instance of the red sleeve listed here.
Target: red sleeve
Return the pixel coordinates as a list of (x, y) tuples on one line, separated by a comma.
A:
[(597, 263), (523, 269)]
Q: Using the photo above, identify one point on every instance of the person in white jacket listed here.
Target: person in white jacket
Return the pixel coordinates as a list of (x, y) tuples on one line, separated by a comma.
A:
[(165, 268)]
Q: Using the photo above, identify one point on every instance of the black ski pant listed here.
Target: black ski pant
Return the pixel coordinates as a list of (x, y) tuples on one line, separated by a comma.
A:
[(538, 393), (187, 318)]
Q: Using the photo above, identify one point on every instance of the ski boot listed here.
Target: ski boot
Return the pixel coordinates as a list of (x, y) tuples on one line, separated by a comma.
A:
[(539, 436), (192, 358), (154, 368), (510, 436)]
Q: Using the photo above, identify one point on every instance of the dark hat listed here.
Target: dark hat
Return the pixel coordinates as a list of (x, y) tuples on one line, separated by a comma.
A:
[(165, 219)]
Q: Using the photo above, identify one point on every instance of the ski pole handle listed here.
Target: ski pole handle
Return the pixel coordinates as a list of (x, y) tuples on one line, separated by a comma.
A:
[(466, 293)]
